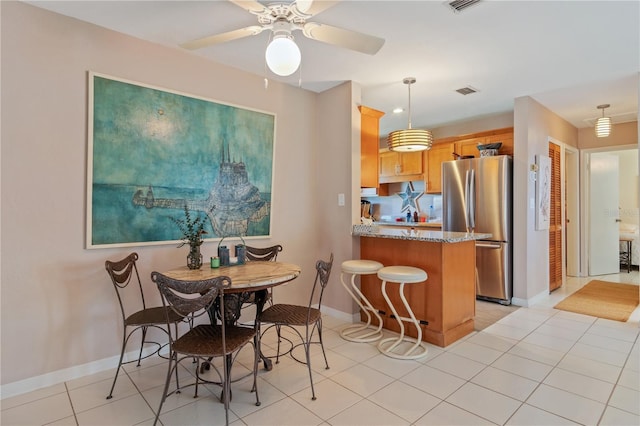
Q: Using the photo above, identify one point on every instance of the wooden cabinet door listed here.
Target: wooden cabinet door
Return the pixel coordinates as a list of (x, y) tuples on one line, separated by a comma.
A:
[(369, 146), (410, 163), (388, 162), (434, 158), (467, 147), (400, 166)]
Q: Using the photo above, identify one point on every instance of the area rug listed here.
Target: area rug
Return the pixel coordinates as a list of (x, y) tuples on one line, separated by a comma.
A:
[(603, 299)]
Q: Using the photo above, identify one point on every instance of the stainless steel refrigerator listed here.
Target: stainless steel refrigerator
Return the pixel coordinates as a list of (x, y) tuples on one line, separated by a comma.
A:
[(476, 197)]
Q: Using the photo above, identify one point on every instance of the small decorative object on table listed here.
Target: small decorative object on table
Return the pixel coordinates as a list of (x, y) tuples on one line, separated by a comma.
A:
[(192, 231), (224, 255)]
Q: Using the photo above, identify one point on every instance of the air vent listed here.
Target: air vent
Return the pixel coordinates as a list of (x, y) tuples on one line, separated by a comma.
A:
[(459, 5), (466, 90)]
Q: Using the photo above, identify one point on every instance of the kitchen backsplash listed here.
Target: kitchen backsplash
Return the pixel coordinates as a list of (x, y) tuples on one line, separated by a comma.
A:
[(389, 207)]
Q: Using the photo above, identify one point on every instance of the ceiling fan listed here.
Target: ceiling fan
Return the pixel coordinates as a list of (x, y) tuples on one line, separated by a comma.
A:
[(283, 55)]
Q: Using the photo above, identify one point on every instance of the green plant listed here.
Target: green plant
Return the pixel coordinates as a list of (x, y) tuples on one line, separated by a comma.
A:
[(192, 229)]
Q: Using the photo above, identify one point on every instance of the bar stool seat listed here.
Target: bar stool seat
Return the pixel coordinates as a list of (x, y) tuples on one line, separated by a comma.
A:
[(391, 346), (361, 333)]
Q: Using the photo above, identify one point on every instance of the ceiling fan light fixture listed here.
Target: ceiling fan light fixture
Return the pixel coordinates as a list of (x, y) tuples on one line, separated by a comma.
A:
[(603, 124), (283, 55), (409, 140)]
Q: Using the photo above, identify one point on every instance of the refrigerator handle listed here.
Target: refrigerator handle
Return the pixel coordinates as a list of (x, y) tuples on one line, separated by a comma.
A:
[(488, 245), (466, 200), (472, 200)]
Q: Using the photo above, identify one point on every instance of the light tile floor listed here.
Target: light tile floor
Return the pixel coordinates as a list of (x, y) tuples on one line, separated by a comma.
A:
[(536, 366)]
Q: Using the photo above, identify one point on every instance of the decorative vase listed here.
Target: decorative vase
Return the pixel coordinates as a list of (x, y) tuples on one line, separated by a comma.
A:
[(194, 258)]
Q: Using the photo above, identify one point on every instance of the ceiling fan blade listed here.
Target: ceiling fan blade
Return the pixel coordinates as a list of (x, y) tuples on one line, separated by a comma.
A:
[(315, 6), (344, 38), (250, 6), (222, 38)]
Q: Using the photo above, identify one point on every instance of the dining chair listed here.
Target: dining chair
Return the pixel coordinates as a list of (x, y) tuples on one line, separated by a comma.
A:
[(265, 254), (309, 317), (126, 282), (202, 342)]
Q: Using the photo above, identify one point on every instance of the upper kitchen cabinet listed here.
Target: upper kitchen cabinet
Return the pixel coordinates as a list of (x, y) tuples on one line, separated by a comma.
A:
[(369, 146), (468, 144), (400, 166), (433, 159), (463, 145)]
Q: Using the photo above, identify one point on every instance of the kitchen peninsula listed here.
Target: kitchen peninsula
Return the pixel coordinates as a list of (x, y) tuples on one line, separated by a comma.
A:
[(445, 303)]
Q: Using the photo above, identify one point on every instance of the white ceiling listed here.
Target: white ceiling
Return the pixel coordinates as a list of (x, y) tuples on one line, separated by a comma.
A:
[(568, 55)]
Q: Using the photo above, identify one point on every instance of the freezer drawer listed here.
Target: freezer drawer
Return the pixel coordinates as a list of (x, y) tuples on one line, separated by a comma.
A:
[(493, 271)]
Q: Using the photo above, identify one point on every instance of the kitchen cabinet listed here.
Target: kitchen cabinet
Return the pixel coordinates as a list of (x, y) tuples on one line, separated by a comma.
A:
[(468, 144), (400, 166), (433, 159), (369, 146)]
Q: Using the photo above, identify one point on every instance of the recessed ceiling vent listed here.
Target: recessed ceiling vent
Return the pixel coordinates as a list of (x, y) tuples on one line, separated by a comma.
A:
[(466, 90), (459, 5)]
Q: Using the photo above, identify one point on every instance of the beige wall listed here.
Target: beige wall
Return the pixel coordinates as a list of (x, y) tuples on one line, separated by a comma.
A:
[(533, 126), (58, 307), (621, 134)]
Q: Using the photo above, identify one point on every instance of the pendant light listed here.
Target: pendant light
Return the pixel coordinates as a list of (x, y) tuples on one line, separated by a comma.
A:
[(603, 125), (409, 140), (283, 54)]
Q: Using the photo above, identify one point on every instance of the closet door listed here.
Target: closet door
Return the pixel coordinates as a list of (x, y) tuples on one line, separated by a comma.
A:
[(555, 221)]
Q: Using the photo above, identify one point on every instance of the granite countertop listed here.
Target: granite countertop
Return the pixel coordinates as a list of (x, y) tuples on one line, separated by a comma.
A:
[(411, 224), (415, 234)]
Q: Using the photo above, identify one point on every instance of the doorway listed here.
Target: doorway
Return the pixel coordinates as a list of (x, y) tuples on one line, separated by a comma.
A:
[(606, 198), (571, 197)]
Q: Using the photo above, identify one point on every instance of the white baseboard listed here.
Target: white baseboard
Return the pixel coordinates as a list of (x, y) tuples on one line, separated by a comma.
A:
[(353, 318), (66, 374), (527, 303)]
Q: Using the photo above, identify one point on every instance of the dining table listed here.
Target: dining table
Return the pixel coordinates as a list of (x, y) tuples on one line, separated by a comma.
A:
[(249, 277)]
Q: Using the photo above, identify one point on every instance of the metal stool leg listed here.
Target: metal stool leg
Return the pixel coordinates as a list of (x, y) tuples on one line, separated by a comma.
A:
[(358, 332), (388, 349)]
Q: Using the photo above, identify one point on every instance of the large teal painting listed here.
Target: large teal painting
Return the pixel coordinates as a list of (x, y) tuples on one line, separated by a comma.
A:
[(152, 151)]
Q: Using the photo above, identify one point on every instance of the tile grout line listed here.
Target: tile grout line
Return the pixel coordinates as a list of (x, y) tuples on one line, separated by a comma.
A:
[(73, 410)]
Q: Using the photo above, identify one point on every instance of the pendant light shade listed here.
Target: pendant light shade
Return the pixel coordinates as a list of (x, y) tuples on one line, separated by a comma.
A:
[(409, 139), (283, 55), (603, 125)]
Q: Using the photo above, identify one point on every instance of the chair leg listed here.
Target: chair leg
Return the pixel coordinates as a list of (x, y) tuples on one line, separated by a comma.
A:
[(144, 336), (195, 395), (319, 327), (125, 337), (226, 386), (278, 328), (172, 358), (256, 362), (307, 347)]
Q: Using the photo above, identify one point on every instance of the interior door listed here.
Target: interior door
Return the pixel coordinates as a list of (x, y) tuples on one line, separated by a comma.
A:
[(572, 213), (604, 214), (555, 220)]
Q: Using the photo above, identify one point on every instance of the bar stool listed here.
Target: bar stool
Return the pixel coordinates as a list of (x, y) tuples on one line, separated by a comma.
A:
[(403, 275), (361, 332)]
